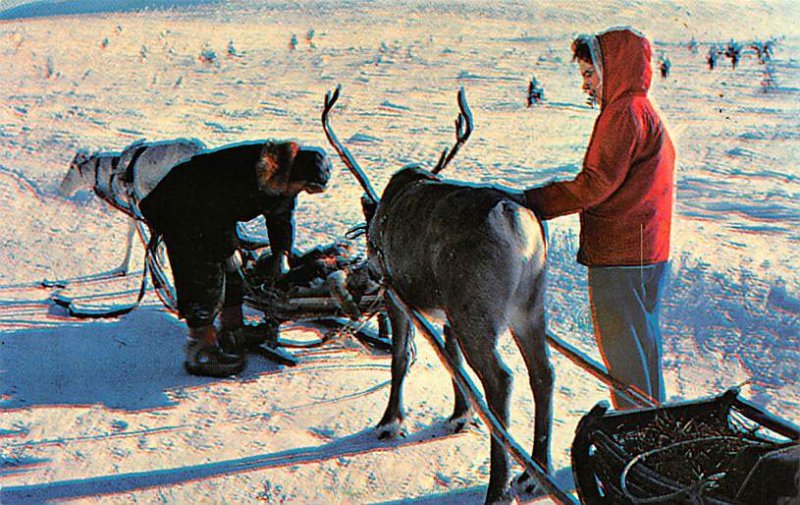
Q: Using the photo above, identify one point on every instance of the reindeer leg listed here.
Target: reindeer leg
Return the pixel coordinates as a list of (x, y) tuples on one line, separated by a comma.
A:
[(118, 271), (462, 411), (528, 329), (122, 269), (389, 426), (477, 339)]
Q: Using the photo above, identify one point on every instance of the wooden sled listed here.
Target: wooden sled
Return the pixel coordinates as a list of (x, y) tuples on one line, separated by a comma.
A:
[(305, 294), (718, 451), (327, 287)]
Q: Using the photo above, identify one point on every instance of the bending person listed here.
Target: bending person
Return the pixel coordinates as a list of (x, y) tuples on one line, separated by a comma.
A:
[(196, 208)]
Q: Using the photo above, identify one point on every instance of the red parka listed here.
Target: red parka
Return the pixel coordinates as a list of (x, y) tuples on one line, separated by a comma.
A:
[(624, 191)]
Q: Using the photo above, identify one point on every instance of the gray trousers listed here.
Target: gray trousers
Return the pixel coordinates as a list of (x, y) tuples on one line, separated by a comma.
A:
[(625, 304)]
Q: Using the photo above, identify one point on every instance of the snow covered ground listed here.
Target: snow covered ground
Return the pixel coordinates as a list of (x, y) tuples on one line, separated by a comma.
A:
[(103, 407)]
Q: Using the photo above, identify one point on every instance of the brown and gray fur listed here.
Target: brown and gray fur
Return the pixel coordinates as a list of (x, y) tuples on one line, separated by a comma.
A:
[(475, 255)]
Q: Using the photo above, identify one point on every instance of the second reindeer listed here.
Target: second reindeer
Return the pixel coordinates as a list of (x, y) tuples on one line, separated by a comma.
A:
[(475, 255)]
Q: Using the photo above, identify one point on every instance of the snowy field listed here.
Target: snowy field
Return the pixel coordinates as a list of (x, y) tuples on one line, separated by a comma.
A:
[(101, 411)]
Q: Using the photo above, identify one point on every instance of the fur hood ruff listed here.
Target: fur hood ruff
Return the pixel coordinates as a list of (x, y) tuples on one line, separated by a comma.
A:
[(274, 166)]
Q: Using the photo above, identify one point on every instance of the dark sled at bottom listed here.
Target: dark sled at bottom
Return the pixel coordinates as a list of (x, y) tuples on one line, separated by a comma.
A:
[(699, 452)]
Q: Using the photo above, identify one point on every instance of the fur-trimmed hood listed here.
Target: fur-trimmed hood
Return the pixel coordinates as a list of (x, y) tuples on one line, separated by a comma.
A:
[(274, 166)]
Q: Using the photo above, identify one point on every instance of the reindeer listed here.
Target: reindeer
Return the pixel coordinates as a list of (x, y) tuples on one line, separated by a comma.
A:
[(122, 180), (475, 255)]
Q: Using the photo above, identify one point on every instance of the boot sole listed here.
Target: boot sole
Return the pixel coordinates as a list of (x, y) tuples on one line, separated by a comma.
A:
[(214, 370)]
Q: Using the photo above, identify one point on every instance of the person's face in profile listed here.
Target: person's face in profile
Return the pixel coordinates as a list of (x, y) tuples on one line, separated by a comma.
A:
[(592, 85)]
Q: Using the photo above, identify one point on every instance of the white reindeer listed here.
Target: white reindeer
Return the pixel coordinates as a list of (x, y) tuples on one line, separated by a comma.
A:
[(123, 179)]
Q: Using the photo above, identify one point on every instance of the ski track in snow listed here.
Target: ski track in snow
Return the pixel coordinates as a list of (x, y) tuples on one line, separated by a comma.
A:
[(103, 407)]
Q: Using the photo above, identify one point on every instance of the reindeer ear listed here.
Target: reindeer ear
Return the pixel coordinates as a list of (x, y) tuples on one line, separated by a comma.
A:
[(369, 207)]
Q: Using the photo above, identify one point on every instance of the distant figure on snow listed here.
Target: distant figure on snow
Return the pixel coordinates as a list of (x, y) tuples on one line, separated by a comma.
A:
[(310, 38), (624, 196), (734, 52), (232, 52), (692, 46), (535, 92), (196, 208), (207, 54), (763, 50), (664, 66), (711, 57)]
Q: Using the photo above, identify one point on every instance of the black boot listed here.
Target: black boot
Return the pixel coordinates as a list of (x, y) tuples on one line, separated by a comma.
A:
[(247, 337), (205, 357)]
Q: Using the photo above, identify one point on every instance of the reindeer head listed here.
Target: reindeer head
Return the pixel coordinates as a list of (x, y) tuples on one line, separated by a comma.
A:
[(409, 173), (79, 174)]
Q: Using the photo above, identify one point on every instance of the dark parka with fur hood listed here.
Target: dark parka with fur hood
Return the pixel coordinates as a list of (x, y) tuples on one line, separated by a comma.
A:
[(625, 189), (200, 200)]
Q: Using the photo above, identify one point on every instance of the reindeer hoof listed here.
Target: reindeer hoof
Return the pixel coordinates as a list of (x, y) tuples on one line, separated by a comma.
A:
[(461, 423), (389, 431), (524, 484)]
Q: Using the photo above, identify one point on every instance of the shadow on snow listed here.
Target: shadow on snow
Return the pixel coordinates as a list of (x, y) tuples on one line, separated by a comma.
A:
[(129, 363), (359, 443), (562, 477)]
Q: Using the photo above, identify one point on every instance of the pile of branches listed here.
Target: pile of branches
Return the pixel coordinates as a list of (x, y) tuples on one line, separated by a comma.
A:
[(722, 450), (308, 273), (327, 281), (701, 456)]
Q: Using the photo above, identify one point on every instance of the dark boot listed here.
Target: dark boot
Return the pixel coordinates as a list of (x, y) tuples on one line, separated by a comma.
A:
[(206, 358), (248, 336)]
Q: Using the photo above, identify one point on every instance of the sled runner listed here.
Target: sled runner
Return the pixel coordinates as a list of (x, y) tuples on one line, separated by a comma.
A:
[(718, 451), (327, 287)]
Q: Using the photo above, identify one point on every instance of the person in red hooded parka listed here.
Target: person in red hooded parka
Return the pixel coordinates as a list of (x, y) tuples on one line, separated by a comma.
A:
[(624, 194)]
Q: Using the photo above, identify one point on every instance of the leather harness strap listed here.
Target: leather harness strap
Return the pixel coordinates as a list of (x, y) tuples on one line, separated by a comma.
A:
[(128, 175), (108, 195)]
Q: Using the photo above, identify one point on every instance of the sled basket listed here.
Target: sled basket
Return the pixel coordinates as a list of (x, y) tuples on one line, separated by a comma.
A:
[(698, 452)]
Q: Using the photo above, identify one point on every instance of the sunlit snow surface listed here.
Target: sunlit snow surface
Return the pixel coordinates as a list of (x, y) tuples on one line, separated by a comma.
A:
[(103, 407)]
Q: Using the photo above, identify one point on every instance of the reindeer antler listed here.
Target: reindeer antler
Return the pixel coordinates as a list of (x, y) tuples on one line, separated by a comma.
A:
[(341, 150), (464, 126)]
